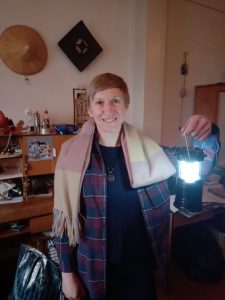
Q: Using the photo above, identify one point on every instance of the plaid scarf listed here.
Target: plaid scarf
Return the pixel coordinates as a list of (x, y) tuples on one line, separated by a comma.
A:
[(145, 160)]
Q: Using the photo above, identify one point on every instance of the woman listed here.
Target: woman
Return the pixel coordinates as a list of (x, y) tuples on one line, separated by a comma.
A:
[(111, 210)]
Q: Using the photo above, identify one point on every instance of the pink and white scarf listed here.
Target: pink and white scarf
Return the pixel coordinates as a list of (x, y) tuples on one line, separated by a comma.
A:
[(145, 160)]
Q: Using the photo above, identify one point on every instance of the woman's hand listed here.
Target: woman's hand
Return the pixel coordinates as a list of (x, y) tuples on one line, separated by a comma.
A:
[(198, 126), (72, 287)]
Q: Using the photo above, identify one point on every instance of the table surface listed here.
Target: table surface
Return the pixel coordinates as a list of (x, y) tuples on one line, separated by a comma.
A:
[(212, 206)]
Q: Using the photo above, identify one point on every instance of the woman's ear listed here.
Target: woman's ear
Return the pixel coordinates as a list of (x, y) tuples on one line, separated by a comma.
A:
[(89, 111)]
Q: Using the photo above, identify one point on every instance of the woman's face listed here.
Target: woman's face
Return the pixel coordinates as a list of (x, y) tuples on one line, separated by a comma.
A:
[(108, 110)]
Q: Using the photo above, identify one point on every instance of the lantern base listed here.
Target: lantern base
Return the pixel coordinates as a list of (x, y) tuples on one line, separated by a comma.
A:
[(189, 195)]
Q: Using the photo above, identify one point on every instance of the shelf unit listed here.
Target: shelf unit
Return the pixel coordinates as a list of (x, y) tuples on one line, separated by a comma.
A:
[(34, 212)]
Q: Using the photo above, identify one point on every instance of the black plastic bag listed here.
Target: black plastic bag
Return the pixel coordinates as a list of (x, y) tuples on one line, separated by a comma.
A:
[(37, 277)]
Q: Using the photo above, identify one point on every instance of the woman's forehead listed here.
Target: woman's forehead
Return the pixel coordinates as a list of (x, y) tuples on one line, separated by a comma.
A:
[(111, 92)]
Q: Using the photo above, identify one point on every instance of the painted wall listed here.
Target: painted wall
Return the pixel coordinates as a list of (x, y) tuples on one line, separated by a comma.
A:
[(115, 24), (143, 41), (200, 31), (155, 68)]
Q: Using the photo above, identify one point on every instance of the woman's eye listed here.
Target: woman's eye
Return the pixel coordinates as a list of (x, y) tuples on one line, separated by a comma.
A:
[(115, 100), (99, 102)]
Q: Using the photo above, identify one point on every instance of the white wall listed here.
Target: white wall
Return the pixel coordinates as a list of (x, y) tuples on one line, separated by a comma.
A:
[(200, 31), (155, 67), (115, 24), (142, 40)]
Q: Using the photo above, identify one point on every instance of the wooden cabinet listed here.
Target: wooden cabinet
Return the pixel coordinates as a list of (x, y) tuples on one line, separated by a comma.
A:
[(39, 165), (32, 211)]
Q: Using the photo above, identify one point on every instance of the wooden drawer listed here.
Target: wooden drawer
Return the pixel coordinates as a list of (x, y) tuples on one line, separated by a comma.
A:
[(40, 166), (39, 224)]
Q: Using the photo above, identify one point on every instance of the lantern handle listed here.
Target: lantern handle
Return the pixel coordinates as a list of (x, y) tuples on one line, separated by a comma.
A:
[(185, 137)]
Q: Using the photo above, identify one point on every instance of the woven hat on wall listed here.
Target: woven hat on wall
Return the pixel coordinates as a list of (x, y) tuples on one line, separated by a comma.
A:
[(23, 50)]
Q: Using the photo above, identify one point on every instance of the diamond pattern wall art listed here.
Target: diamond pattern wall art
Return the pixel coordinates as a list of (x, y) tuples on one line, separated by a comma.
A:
[(80, 46)]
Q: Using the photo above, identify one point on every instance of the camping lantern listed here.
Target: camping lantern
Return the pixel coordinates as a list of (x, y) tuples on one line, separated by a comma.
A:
[(189, 186)]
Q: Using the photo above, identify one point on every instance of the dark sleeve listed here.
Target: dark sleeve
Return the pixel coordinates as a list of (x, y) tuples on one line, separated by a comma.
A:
[(211, 147), (215, 130), (66, 254)]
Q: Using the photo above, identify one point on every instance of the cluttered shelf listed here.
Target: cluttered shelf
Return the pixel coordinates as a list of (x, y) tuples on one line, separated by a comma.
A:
[(27, 166)]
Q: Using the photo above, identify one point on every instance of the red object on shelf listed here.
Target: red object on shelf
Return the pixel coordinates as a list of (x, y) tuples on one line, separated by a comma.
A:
[(4, 126)]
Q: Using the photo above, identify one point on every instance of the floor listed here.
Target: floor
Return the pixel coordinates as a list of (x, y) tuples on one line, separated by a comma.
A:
[(184, 288)]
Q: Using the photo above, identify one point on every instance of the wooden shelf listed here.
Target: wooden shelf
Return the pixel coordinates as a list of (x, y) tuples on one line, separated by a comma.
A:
[(37, 206), (35, 214), (9, 156), (10, 173), (10, 233), (11, 201)]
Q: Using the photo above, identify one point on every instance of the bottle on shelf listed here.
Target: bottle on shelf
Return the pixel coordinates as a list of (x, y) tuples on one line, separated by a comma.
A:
[(37, 122), (45, 127)]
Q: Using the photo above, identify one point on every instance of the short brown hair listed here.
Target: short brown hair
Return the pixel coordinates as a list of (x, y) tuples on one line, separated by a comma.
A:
[(107, 81)]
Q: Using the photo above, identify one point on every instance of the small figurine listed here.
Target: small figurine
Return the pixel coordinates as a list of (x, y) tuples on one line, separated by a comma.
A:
[(19, 127)]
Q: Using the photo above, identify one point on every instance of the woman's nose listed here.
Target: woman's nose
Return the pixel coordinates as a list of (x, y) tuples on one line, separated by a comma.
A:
[(108, 107)]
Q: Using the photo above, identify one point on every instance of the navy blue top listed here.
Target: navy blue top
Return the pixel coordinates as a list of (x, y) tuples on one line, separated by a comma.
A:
[(127, 234)]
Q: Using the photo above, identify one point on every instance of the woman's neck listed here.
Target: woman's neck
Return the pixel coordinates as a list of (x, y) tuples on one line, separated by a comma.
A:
[(109, 139)]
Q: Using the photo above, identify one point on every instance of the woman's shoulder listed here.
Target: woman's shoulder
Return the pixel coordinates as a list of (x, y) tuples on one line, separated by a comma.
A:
[(133, 133), (69, 144)]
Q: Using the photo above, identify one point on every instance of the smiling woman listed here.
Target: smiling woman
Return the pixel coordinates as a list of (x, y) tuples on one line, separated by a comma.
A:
[(111, 206)]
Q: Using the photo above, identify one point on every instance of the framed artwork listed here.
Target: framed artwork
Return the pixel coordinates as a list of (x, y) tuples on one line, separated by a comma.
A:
[(80, 46), (80, 106), (40, 148)]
